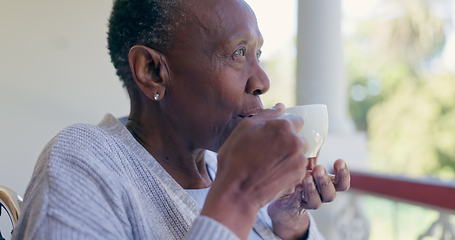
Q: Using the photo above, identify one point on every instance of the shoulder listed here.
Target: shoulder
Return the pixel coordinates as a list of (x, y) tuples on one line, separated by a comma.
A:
[(82, 143), (81, 137), (73, 190), (78, 182), (78, 163), (81, 153)]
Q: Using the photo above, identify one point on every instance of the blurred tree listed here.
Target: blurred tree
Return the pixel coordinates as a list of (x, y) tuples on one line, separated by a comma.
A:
[(407, 109), (414, 130)]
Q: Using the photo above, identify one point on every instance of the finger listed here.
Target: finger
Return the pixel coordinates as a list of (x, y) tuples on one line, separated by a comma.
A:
[(295, 120), (310, 196), (295, 197), (288, 192), (271, 113), (295, 171), (324, 184), (342, 176), (311, 163)]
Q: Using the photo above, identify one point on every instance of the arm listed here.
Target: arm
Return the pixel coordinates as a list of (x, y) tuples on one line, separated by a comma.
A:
[(224, 212), (68, 199), (252, 170)]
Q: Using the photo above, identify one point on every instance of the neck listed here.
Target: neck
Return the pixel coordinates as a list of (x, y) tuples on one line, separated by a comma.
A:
[(174, 153)]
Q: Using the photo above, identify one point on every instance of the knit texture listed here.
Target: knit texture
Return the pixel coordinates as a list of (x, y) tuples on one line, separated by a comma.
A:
[(98, 182)]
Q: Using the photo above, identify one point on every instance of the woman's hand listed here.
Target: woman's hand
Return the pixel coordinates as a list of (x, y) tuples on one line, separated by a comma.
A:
[(288, 214), (262, 155)]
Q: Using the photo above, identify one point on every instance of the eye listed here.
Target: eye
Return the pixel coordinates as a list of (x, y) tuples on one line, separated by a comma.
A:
[(259, 54), (241, 52)]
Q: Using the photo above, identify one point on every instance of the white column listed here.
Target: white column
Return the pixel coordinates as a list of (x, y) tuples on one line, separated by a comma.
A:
[(320, 66), (321, 79)]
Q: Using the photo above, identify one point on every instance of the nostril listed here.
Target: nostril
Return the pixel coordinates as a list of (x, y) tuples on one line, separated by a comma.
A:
[(257, 92)]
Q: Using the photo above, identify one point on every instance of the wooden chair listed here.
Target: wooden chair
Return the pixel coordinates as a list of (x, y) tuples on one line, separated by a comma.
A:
[(11, 202)]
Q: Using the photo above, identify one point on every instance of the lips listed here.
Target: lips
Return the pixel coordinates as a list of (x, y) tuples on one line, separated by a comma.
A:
[(245, 115), (250, 113)]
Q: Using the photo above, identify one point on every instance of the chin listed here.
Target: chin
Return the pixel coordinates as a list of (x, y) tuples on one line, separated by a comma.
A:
[(217, 142), (229, 129)]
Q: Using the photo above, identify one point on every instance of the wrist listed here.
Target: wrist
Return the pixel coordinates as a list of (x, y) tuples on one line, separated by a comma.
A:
[(229, 206), (292, 230)]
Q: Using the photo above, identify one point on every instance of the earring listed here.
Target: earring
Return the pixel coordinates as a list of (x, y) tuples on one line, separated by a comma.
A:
[(156, 97)]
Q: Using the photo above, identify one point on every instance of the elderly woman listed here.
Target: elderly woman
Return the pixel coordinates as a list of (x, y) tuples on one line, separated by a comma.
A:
[(191, 68)]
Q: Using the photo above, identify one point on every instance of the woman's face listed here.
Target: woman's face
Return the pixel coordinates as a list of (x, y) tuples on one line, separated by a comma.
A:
[(215, 76)]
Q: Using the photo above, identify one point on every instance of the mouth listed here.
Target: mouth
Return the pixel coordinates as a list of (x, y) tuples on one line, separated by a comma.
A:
[(236, 119), (245, 115), (249, 113)]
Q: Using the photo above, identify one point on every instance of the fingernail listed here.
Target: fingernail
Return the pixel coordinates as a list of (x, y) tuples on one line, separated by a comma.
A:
[(320, 173), (342, 165), (342, 168), (278, 106)]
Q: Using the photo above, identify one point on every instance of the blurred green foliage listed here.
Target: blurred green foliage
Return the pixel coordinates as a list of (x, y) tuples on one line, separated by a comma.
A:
[(406, 107)]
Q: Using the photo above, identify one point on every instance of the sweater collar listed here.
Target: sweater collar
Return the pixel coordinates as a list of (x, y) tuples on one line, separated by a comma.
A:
[(183, 200)]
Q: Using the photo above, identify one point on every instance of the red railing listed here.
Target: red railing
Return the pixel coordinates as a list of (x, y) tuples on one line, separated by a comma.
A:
[(433, 193)]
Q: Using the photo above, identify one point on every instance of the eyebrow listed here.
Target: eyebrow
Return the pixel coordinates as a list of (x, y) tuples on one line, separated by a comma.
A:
[(245, 38)]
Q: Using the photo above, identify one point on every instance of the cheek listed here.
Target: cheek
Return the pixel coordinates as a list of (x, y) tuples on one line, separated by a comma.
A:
[(210, 84), (229, 89), (229, 83), (203, 101)]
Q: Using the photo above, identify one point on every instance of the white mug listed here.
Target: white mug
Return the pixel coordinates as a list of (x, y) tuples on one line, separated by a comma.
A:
[(315, 126)]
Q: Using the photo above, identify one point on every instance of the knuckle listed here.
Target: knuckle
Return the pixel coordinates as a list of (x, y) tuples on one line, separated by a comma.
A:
[(315, 204), (344, 184), (344, 187), (282, 125), (295, 144), (324, 185), (312, 191), (271, 126)]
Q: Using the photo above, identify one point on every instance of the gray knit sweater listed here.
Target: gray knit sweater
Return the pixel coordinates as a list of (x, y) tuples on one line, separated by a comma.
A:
[(98, 182)]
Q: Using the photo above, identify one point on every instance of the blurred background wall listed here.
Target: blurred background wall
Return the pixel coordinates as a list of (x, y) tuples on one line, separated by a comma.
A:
[(54, 71)]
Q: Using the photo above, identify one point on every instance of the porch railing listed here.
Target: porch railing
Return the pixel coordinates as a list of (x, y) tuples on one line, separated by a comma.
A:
[(428, 193)]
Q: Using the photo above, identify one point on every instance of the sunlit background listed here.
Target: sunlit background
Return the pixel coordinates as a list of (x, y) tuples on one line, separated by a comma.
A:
[(398, 69)]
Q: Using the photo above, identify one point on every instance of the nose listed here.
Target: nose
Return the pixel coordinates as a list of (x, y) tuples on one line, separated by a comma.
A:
[(258, 83)]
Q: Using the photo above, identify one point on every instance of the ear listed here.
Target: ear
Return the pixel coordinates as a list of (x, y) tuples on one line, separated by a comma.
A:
[(149, 69)]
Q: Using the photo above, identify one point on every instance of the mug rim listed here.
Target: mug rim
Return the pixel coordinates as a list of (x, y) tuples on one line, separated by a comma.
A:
[(308, 106)]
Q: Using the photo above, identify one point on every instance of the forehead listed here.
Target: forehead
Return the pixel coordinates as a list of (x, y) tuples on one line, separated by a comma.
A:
[(225, 20)]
